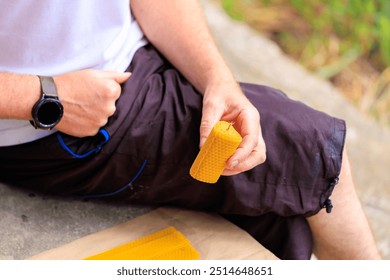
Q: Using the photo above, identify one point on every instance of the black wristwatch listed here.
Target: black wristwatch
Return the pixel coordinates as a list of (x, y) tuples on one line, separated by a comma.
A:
[(48, 110)]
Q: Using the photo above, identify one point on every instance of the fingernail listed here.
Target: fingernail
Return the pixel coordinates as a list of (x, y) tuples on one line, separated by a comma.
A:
[(234, 163), (202, 141)]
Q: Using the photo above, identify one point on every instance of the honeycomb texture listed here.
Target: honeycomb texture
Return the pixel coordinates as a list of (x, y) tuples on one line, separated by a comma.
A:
[(166, 244), (220, 145)]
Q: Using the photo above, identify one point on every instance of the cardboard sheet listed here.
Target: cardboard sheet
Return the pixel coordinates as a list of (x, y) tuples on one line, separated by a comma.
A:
[(212, 236)]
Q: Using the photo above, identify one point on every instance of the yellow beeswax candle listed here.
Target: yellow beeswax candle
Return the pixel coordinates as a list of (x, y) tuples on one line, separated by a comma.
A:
[(220, 145)]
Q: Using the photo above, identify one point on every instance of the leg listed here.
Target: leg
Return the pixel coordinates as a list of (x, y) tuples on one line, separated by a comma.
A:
[(345, 232)]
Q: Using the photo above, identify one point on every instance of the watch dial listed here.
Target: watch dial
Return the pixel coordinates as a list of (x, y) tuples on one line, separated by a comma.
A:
[(49, 113)]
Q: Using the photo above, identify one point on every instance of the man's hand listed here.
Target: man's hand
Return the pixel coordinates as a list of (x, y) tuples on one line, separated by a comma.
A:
[(228, 103), (88, 97), (183, 27)]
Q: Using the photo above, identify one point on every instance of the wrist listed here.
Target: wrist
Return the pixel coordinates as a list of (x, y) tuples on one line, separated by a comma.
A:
[(47, 111), (32, 90), (25, 89), (222, 82)]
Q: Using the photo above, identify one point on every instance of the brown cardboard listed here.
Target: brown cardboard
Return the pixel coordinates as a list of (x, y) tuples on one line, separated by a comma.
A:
[(212, 236)]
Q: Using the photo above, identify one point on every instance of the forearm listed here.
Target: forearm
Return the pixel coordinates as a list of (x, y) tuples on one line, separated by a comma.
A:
[(179, 30), (18, 93)]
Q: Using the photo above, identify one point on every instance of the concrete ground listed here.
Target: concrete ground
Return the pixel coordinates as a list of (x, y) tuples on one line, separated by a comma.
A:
[(31, 223)]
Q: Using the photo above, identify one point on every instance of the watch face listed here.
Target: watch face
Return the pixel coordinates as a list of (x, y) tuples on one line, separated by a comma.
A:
[(49, 113)]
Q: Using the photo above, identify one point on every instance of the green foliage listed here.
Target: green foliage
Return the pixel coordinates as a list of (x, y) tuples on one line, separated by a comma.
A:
[(345, 41), (361, 28), (384, 31), (358, 23), (230, 8)]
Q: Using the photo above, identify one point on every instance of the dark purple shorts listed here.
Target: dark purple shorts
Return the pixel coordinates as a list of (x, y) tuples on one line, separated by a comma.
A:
[(144, 154)]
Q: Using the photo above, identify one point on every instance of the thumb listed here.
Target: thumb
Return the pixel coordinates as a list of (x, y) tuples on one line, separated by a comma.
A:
[(122, 77), (209, 119), (119, 77)]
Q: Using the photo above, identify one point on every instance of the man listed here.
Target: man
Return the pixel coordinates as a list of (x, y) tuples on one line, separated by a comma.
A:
[(132, 137)]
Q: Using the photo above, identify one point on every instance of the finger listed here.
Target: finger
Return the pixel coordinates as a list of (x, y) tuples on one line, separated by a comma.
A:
[(119, 77), (113, 87), (250, 131), (258, 156), (122, 77), (210, 117), (243, 151), (242, 160)]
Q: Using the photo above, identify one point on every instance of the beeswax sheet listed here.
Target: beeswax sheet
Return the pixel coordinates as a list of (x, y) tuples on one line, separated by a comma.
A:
[(212, 236)]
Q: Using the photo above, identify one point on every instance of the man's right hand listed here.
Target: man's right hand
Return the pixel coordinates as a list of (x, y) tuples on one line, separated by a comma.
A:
[(89, 98)]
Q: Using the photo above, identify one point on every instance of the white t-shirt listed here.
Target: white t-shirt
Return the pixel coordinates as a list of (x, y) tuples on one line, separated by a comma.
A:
[(51, 37)]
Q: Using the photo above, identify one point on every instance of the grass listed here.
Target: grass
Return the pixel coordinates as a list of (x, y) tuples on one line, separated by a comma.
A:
[(344, 41)]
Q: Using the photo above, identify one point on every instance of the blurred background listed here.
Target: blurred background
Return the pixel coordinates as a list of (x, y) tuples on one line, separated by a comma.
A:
[(344, 41)]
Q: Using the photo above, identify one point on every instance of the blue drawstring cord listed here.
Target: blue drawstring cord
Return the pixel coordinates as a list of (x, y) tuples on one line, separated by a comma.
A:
[(120, 189), (95, 150)]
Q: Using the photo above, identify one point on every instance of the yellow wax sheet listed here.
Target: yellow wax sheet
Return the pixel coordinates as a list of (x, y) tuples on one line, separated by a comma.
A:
[(166, 244)]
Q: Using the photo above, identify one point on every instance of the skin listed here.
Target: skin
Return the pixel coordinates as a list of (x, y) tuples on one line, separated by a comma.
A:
[(89, 96), (344, 233)]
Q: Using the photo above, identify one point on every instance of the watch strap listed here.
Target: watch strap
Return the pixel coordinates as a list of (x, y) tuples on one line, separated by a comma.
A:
[(48, 86), (52, 114)]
